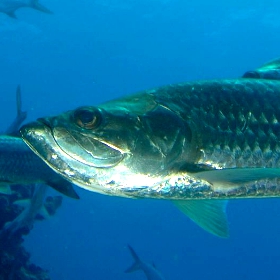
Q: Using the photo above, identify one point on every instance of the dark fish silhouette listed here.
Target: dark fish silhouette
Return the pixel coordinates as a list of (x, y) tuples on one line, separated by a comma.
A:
[(10, 6), (150, 270)]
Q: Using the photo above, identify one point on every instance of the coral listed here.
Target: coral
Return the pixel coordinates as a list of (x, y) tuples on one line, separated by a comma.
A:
[(14, 259)]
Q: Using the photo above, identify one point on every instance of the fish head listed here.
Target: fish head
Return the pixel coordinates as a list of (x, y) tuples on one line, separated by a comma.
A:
[(122, 145)]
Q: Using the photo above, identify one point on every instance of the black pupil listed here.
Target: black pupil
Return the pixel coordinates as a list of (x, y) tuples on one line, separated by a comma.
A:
[(86, 116)]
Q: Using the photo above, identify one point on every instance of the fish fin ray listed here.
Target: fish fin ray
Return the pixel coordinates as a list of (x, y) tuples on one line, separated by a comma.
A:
[(230, 177), (208, 214)]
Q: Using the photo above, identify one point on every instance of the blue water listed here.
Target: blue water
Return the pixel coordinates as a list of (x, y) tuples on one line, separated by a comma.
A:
[(91, 51)]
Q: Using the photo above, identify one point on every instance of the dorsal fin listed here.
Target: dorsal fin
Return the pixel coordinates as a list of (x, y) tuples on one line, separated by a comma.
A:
[(269, 71), (272, 64)]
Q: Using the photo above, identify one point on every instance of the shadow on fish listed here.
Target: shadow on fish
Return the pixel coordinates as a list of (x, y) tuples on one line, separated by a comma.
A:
[(10, 6), (150, 270), (195, 143)]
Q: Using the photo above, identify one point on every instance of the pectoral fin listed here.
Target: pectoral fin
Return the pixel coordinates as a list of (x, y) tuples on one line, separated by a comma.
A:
[(208, 214), (63, 186), (223, 178)]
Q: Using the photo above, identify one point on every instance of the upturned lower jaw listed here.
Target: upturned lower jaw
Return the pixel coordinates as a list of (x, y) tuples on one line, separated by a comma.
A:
[(39, 138)]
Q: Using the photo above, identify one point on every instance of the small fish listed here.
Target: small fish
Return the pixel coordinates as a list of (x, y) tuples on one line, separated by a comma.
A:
[(10, 6), (18, 165), (150, 270), (196, 143)]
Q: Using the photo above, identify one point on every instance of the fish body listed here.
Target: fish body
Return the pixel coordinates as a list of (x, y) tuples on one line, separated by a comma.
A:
[(10, 6), (150, 271), (197, 140), (196, 143)]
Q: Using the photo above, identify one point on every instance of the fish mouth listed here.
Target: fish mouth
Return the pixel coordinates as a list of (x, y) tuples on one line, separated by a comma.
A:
[(70, 153), (43, 139)]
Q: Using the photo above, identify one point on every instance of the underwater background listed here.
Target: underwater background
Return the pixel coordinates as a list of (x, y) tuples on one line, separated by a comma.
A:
[(88, 52)]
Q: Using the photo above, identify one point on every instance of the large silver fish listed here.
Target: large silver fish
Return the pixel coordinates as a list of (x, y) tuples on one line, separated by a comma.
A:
[(196, 143)]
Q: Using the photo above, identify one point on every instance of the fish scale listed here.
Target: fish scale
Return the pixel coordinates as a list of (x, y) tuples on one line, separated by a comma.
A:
[(236, 122)]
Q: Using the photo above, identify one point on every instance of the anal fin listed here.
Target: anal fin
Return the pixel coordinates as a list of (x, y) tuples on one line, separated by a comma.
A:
[(208, 214)]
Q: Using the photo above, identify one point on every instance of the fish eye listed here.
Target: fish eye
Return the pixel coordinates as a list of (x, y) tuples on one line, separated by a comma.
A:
[(87, 117)]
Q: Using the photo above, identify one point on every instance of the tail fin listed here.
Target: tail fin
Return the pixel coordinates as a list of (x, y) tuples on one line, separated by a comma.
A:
[(21, 116), (37, 6), (137, 262)]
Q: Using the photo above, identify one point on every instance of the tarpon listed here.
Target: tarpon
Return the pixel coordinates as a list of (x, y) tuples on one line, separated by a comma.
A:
[(150, 270), (10, 6), (19, 165), (196, 143)]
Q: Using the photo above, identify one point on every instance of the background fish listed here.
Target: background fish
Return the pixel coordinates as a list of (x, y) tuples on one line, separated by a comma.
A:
[(10, 6), (150, 270)]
